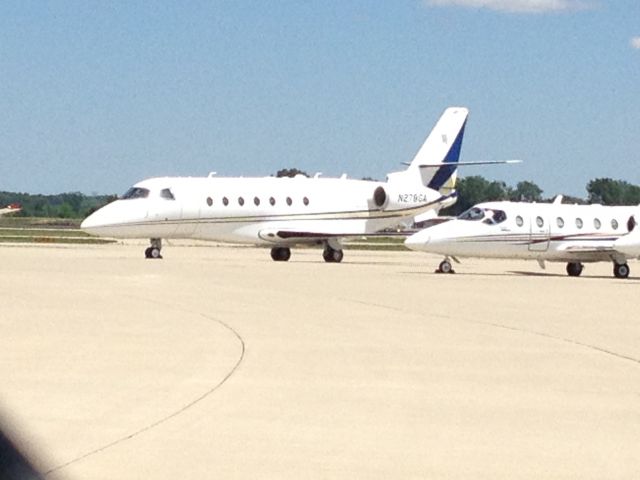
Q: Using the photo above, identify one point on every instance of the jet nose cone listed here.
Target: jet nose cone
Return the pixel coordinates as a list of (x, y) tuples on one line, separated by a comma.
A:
[(91, 224), (417, 241)]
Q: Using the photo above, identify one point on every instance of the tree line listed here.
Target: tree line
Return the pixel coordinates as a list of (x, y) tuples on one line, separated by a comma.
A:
[(471, 190)]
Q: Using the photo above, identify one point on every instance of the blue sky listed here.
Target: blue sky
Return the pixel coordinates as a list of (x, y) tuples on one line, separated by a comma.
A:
[(95, 96)]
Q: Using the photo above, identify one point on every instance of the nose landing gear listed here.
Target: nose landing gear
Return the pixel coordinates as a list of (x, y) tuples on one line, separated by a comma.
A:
[(445, 267), (154, 250)]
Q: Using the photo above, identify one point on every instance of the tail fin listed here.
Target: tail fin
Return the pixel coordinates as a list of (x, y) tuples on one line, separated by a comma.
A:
[(436, 160)]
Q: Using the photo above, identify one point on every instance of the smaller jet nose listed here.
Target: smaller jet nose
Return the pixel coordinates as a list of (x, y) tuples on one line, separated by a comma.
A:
[(93, 223), (418, 240)]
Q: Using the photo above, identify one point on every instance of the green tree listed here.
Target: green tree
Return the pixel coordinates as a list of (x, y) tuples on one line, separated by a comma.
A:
[(477, 189), (526, 191), (290, 172), (613, 192)]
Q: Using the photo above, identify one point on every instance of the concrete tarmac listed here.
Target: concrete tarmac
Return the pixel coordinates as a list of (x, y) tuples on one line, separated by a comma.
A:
[(217, 362)]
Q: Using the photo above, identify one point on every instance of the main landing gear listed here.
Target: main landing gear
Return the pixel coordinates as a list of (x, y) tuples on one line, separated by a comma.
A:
[(153, 251), (332, 255), (620, 270), (280, 254), (574, 269)]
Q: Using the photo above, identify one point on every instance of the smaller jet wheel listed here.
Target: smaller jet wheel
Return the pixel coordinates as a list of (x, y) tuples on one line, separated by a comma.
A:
[(280, 254), (574, 269), (153, 253), (621, 270), (331, 255), (445, 267)]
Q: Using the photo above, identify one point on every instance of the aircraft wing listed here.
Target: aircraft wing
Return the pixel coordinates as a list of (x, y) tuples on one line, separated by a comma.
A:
[(298, 236)]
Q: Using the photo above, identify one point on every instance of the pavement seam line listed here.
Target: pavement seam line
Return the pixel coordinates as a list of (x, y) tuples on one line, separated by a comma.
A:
[(174, 414)]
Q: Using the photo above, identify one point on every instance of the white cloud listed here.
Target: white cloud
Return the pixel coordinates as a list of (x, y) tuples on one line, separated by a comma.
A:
[(635, 43), (516, 6)]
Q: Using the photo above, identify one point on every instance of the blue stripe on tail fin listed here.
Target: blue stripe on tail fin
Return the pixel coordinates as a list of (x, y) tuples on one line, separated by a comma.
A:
[(449, 162)]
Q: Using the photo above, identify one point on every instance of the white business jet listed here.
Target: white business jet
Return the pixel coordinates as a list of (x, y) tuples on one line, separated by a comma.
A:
[(554, 232), (282, 212)]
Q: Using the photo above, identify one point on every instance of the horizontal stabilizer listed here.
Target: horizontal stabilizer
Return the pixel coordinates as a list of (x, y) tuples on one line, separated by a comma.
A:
[(486, 162)]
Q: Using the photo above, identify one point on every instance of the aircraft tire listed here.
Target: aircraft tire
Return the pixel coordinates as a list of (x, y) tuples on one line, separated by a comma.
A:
[(280, 254), (574, 269), (621, 270), (331, 255), (147, 253), (154, 253), (445, 267)]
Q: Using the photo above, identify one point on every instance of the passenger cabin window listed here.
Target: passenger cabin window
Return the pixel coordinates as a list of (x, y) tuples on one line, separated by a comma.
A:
[(135, 192), (596, 223), (225, 201), (166, 194), (579, 222), (614, 224), (560, 222), (631, 223), (256, 201), (305, 200), (289, 201), (272, 201), (209, 201), (240, 201), (539, 222), (519, 221)]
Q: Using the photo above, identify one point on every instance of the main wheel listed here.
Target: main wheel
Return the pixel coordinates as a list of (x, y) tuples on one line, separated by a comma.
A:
[(280, 254), (445, 267), (621, 270), (147, 253), (331, 255), (154, 252), (574, 269)]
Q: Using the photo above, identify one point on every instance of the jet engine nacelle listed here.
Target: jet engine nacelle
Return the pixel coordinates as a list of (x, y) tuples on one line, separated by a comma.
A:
[(390, 197)]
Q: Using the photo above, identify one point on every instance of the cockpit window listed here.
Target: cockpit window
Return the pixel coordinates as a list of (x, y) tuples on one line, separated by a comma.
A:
[(493, 217), (135, 192), (166, 194), (487, 215), (474, 213)]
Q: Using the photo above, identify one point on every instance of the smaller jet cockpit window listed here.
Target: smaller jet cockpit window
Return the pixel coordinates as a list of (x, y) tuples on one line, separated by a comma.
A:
[(135, 192), (493, 217), (472, 214), (166, 194), (519, 221)]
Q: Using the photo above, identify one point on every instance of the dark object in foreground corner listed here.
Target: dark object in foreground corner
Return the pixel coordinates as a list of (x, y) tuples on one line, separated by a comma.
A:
[(13, 464)]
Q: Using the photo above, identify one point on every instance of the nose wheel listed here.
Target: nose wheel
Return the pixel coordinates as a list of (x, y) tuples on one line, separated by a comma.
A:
[(153, 252), (445, 267)]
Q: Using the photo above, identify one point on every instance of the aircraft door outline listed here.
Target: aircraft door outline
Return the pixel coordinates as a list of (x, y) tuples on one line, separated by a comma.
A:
[(539, 233)]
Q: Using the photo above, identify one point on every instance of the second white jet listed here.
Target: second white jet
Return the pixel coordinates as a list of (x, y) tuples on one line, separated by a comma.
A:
[(555, 232)]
